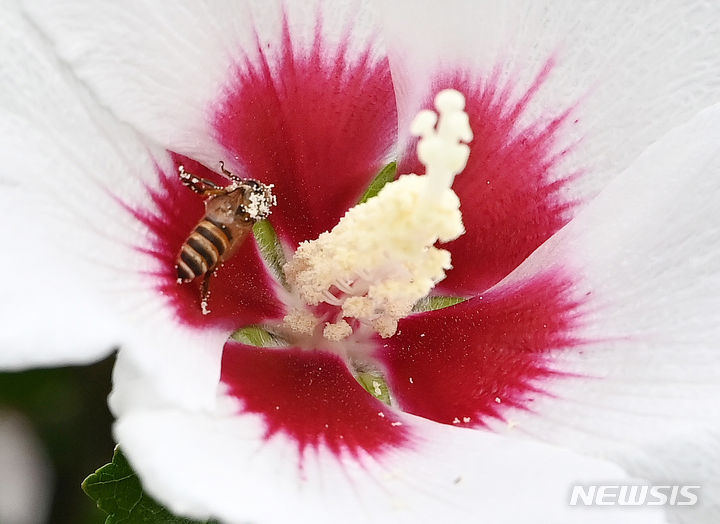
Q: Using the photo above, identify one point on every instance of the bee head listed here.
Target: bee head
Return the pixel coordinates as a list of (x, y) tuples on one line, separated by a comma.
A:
[(257, 200)]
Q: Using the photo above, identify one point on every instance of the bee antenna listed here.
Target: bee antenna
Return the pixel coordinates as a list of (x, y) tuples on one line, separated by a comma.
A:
[(228, 174)]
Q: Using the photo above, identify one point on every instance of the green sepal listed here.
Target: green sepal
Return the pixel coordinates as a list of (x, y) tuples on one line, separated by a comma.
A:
[(375, 384), (271, 249), (117, 491), (386, 175), (433, 303), (258, 336)]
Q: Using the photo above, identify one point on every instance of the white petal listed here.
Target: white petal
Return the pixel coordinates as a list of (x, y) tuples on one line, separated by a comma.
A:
[(184, 364), (162, 67), (49, 315), (634, 69), (202, 465), (75, 285), (645, 259)]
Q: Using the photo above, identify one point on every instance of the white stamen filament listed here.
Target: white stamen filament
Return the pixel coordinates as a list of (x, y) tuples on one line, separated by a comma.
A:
[(381, 257), (344, 286), (331, 299)]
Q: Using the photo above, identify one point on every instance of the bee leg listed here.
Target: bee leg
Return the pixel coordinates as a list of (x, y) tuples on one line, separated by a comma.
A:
[(228, 174), (197, 185), (205, 294)]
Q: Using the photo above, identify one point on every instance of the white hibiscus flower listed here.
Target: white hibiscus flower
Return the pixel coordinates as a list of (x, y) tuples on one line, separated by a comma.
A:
[(584, 348)]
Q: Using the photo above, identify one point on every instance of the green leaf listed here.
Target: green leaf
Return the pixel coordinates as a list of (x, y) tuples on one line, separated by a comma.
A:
[(387, 174), (375, 384), (433, 303), (271, 249), (117, 491)]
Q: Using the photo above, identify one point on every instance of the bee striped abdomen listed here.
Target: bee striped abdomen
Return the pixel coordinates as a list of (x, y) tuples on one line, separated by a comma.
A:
[(203, 249), (216, 233)]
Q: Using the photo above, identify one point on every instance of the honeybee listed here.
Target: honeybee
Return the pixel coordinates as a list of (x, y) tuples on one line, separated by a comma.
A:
[(230, 213)]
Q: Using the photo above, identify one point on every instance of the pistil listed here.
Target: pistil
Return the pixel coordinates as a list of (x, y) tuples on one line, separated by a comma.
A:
[(380, 259)]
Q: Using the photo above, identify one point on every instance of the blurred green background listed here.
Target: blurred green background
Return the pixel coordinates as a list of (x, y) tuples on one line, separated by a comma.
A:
[(67, 408)]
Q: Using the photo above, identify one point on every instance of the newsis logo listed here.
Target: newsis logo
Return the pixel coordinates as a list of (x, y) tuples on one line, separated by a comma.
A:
[(632, 495)]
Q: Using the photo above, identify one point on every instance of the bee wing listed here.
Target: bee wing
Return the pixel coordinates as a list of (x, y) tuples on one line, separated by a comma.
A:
[(239, 230)]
